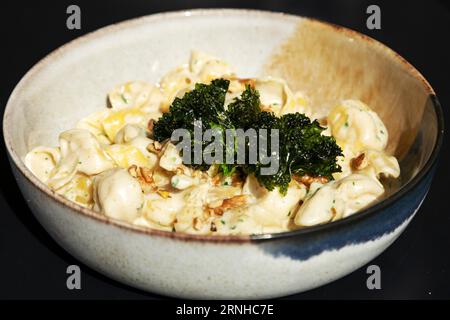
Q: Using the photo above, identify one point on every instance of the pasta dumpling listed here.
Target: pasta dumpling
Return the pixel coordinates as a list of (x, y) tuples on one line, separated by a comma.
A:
[(338, 199), (353, 123), (80, 152), (136, 94), (41, 161), (79, 189), (118, 195), (82, 145), (376, 164), (116, 120)]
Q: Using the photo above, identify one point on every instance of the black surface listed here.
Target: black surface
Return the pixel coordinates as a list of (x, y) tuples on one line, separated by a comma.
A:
[(416, 266)]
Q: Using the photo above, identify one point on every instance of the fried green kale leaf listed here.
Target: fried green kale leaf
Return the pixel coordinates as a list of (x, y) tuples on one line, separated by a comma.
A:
[(303, 149)]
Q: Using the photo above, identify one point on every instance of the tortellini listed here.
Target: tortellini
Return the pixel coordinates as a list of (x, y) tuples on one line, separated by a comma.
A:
[(79, 189), (377, 164), (361, 133), (93, 124), (128, 133), (91, 157), (41, 161), (110, 164), (116, 120), (276, 97), (262, 211), (202, 68), (177, 81), (125, 155), (207, 68), (135, 94), (118, 195), (353, 123), (80, 152), (338, 199), (170, 158)]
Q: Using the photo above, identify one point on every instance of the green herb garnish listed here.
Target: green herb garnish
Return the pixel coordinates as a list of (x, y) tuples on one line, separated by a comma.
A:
[(303, 149)]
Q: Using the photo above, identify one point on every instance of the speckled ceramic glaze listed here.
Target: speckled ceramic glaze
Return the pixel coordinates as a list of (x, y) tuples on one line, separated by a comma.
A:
[(326, 62)]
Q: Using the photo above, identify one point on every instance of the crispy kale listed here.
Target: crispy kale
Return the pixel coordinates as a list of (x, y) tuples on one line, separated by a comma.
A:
[(312, 153), (244, 110), (205, 103), (302, 147)]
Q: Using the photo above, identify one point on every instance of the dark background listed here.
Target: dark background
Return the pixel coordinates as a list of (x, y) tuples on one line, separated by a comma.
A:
[(416, 266)]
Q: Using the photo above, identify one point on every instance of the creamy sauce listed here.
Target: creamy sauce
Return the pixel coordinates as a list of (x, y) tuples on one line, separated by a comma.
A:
[(108, 163)]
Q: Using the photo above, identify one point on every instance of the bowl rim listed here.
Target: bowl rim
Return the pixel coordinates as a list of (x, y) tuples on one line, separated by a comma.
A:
[(61, 200)]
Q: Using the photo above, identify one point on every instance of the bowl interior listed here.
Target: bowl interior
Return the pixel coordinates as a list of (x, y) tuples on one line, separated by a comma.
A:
[(328, 63)]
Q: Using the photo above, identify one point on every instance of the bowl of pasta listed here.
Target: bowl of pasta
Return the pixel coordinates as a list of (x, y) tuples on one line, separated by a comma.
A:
[(306, 150)]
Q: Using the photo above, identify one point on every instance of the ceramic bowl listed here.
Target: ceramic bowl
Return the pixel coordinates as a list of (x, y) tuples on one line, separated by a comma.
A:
[(327, 62)]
